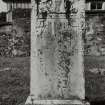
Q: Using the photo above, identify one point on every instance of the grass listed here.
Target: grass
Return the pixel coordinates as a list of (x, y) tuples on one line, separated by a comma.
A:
[(94, 83), (14, 83)]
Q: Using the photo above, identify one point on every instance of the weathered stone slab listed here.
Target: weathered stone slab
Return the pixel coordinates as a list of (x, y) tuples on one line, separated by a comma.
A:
[(57, 55)]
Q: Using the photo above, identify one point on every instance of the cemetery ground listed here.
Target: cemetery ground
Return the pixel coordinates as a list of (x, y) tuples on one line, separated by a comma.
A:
[(95, 78), (14, 80)]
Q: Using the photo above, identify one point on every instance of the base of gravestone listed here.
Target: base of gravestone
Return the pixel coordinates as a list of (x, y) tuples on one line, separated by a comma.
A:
[(31, 101)]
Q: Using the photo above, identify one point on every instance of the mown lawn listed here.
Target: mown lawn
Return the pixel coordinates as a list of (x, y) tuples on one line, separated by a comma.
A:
[(94, 83), (14, 82)]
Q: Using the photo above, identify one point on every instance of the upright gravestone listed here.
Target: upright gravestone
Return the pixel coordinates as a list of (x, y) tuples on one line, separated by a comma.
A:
[(57, 73)]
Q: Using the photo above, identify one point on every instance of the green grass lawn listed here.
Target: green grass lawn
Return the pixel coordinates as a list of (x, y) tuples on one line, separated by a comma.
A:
[(94, 83), (14, 83)]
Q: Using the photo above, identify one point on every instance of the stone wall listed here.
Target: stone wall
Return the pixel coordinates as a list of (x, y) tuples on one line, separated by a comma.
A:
[(14, 46), (21, 24), (95, 34), (17, 34)]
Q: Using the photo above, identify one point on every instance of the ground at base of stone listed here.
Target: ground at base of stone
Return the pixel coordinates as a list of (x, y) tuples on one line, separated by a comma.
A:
[(55, 104), (14, 83), (32, 101)]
